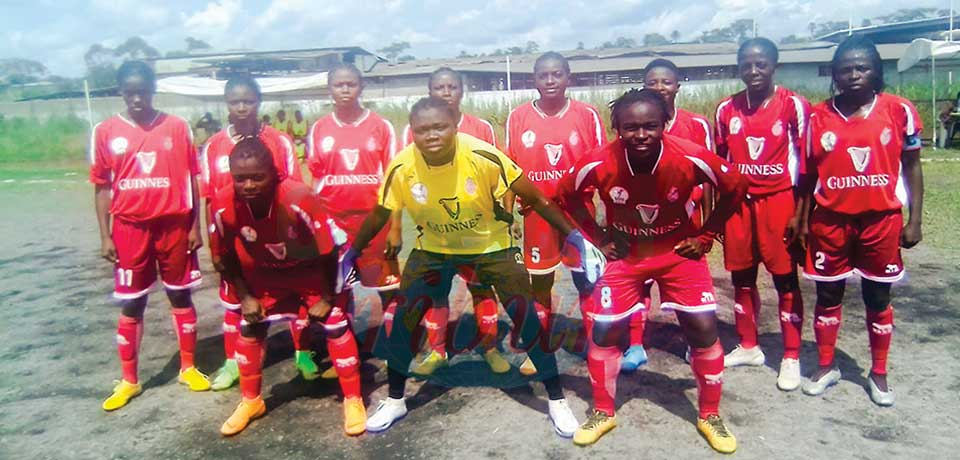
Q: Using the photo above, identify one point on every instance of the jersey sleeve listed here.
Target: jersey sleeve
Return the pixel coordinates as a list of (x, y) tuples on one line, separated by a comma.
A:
[(288, 153), (325, 232), (721, 129), (706, 140), (597, 131), (725, 179), (512, 134), (809, 144), (221, 235), (407, 136), (492, 133), (912, 126), (203, 182), (576, 191), (389, 143), (504, 173), (193, 164), (391, 192), (100, 166), (313, 158)]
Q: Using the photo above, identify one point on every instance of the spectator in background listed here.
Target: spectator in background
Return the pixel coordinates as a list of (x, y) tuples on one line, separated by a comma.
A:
[(298, 130), (281, 123), (209, 125)]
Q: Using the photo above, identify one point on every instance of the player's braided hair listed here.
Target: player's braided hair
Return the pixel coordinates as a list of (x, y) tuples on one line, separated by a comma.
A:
[(765, 46), (139, 68), (252, 148), (444, 70), (859, 43), (634, 96), (550, 56), (349, 67), (243, 80), (432, 103), (661, 63)]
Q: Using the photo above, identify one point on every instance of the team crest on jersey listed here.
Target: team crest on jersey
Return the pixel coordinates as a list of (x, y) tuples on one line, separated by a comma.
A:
[(223, 164), (327, 144), (828, 141), (554, 152), (168, 143), (886, 136), (574, 138), (452, 206), (279, 250), (619, 195), (735, 125), (755, 146), (777, 129), (860, 157), (470, 186), (528, 138), (673, 194), (119, 145), (350, 157), (147, 161), (648, 212), (248, 233), (372, 145), (419, 192)]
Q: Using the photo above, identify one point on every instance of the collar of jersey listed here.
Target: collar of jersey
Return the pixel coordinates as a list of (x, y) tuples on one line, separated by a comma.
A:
[(833, 104), (559, 114), (655, 165), (363, 116)]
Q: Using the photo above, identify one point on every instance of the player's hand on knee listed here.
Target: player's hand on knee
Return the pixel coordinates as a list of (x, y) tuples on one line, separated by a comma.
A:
[(108, 250), (319, 310), (592, 260), (691, 248), (910, 236), (251, 309), (795, 233), (394, 244)]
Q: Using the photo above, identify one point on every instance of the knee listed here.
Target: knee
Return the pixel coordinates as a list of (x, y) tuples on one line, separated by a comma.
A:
[(335, 327), (744, 278), (876, 296), (786, 283), (542, 283), (179, 297), (606, 333), (830, 294), (133, 308)]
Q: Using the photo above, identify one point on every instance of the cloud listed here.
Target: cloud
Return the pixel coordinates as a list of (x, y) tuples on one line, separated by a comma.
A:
[(215, 19)]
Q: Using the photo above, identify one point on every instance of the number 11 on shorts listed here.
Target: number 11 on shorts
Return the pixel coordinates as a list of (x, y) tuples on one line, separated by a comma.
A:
[(124, 277)]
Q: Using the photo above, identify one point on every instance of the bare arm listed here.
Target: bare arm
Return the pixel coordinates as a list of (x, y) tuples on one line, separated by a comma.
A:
[(395, 236), (195, 238), (101, 200), (913, 180), (542, 205), (372, 225)]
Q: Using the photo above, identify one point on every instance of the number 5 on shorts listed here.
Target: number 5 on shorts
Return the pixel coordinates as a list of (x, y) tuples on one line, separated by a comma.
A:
[(535, 254)]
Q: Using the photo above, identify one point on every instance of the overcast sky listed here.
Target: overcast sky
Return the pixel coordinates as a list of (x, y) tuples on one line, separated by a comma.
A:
[(58, 32)]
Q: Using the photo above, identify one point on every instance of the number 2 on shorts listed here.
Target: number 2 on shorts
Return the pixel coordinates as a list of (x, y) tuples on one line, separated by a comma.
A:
[(821, 257)]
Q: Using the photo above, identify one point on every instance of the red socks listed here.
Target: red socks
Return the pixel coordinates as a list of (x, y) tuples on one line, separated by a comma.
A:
[(604, 366), (250, 361), (791, 323), (826, 327), (301, 339), (345, 357), (707, 365), (746, 310), (231, 331), (129, 332), (880, 328), (436, 320), (185, 323), (637, 322), (487, 316)]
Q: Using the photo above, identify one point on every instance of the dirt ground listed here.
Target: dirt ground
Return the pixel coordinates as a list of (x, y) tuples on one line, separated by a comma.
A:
[(58, 362)]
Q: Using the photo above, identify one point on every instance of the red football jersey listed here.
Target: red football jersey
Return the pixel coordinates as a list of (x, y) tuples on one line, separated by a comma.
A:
[(469, 124), (150, 169), (348, 160), (294, 234), (764, 142), (692, 127), (546, 147), (215, 159), (650, 212), (857, 160)]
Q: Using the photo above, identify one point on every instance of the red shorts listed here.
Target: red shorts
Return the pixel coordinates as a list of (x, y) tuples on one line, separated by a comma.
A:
[(228, 295), (287, 294), (543, 247), (685, 285), (143, 246), (374, 271), (868, 244), (754, 234)]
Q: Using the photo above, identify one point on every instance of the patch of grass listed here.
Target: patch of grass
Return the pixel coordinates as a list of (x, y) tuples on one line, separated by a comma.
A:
[(54, 141), (941, 204)]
